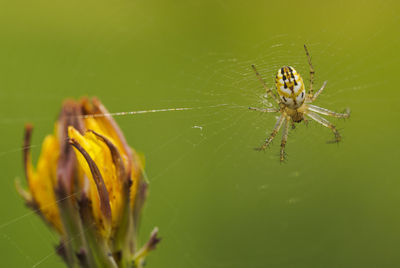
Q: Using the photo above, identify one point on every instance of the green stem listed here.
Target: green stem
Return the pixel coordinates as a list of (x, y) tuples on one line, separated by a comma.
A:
[(74, 240)]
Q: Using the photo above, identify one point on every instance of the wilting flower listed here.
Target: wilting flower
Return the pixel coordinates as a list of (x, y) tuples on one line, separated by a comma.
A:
[(89, 186)]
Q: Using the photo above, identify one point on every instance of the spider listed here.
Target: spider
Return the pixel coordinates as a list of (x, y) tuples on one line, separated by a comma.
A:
[(295, 105)]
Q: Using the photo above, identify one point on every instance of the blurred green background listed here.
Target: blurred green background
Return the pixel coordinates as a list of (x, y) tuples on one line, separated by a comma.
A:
[(217, 202)]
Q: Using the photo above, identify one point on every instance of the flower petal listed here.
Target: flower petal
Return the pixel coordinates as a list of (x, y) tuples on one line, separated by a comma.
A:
[(103, 202), (41, 183), (97, 118)]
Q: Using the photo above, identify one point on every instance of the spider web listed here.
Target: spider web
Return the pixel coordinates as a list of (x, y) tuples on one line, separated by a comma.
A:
[(217, 128), (219, 113)]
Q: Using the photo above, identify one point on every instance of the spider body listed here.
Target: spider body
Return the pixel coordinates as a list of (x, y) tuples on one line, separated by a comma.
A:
[(290, 87), (296, 115), (295, 104)]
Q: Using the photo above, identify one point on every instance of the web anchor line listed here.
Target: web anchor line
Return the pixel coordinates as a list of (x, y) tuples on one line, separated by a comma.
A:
[(4, 153), (149, 111)]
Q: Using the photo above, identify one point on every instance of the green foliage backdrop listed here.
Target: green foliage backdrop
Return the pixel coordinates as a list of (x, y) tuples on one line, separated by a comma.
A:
[(217, 202)]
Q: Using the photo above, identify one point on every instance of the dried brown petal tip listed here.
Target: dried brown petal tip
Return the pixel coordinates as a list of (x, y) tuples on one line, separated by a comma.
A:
[(116, 157), (83, 258), (62, 251), (26, 147), (66, 167), (98, 179), (154, 240), (150, 245), (99, 108)]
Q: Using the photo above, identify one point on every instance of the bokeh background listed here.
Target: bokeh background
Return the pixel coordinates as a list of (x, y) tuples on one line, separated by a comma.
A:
[(217, 202)]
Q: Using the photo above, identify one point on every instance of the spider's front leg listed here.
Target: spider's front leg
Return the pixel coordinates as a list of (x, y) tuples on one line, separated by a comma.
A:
[(275, 131), (312, 72), (267, 89), (312, 97), (327, 112)]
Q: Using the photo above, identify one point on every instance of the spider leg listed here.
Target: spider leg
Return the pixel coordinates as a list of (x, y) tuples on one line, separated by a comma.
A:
[(267, 89), (275, 131), (324, 111), (315, 96), (310, 92), (266, 110), (284, 139), (326, 123)]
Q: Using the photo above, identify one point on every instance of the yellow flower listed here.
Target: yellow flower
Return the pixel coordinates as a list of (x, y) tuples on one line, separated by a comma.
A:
[(41, 181), (92, 195)]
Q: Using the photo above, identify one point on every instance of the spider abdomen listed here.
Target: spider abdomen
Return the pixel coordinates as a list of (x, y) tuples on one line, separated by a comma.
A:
[(290, 87)]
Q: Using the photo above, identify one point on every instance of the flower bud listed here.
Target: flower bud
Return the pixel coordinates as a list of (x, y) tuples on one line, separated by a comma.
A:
[(89, 187)]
